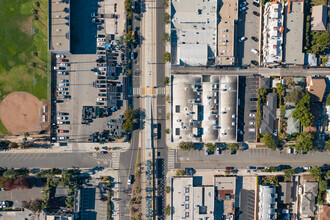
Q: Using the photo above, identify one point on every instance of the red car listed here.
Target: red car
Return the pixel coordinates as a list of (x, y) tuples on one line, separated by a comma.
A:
[(64, 60), (63, 131), (103, 199)]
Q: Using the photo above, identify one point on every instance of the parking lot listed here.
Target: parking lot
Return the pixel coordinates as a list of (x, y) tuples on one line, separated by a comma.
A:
[(248, 26), (91, 77), (250, 107)]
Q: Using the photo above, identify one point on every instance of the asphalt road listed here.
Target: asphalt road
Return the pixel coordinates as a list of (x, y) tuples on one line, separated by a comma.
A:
[(54, 160), (251, 157), (292, 71)]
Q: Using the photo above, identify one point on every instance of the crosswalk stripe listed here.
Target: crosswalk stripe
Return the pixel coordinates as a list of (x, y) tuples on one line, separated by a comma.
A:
[(161, 90), (115, 160), (171, 159)]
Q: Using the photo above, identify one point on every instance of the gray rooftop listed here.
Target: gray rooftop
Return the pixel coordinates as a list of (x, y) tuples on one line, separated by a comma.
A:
[(267, 202), (286, 192), (308, 198), (319, 18), (60, 27), (293, 125), (194, 31), (269, 114), (294, 34), (204, 108)]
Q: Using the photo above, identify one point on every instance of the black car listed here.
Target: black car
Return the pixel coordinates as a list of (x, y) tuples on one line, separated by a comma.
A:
[(254, 62), (256, 4), (253, 110), (253, 99), (256, 13), (283, 167), (255, 39)]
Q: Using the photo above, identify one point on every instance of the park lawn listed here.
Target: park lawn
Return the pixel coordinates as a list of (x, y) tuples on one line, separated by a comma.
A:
[(3, 129), (17, 45)]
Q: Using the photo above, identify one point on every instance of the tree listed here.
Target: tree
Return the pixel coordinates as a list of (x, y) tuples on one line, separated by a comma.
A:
[(323, 185), (11, 173), (294, 95), (328, 174), (315, 172), (167, 131), (66, 179), (324, 60), (21, 182), (128, 120), (166, 80), (97, 148), (167, 210), (328, 99), (36, 206), (327, 146), (167, 18), (233, 147), (210, 147), (302, 111), (304, 142), (269, 141), (165, 4), (166, 37), (180, 173), (186, 145), (167, 57), (37, 4), (13, 145), (289, 172), (167, 189)]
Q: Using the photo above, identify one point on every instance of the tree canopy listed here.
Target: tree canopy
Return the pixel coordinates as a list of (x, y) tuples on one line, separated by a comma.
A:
[(304, 142), (269, 141), (233, 147), (210, 147), (186, 145), (315, 172), (302, 111), (294, 95)]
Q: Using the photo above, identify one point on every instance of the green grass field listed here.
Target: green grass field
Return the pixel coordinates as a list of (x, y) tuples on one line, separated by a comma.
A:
[(17, 45)]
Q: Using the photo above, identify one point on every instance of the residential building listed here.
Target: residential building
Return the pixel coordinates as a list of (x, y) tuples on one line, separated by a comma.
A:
[(273, 33), (269, 115), (324, 212), (227, 31), (294, 32), (285, 192), (267, 202), (59, 31), (225, 188), (316, 87), (191, 202), (193, 32), (264, 82), (319, 18), (308, 199), (328, 195), (204, 108), (293, 125), (311, 59)]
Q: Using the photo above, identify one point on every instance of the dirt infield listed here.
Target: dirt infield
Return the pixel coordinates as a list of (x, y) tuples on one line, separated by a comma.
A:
[(21, 112)]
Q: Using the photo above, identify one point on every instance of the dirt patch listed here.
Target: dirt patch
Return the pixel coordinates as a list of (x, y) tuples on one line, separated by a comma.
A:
[(22, 112), (26, 26)]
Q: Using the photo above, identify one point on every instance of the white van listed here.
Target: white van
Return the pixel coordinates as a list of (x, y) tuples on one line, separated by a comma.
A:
[(256, 52)]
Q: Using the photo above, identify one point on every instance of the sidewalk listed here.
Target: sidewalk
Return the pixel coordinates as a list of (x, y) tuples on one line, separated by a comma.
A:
[(83, 147)]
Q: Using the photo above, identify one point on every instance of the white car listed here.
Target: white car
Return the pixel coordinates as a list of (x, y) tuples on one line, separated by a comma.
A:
[(63, 84), (100, 57), (62, 89), (60, 122), (252, 123), (99, 73), (300, 189), (242, 39), (101, 99), (62, 118), (252, 130), (64, 137), (64, 80), (307, 167), (100, 44), (62, 73), (289, 150), (64, 64), (102, 68), (60, 56), (100, 39), (257, 1), (252, 115), (57, 68)]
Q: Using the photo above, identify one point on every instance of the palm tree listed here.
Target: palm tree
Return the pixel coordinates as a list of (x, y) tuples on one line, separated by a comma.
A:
[(36, 18), (37, 4), (34, 65), (36, 54)]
